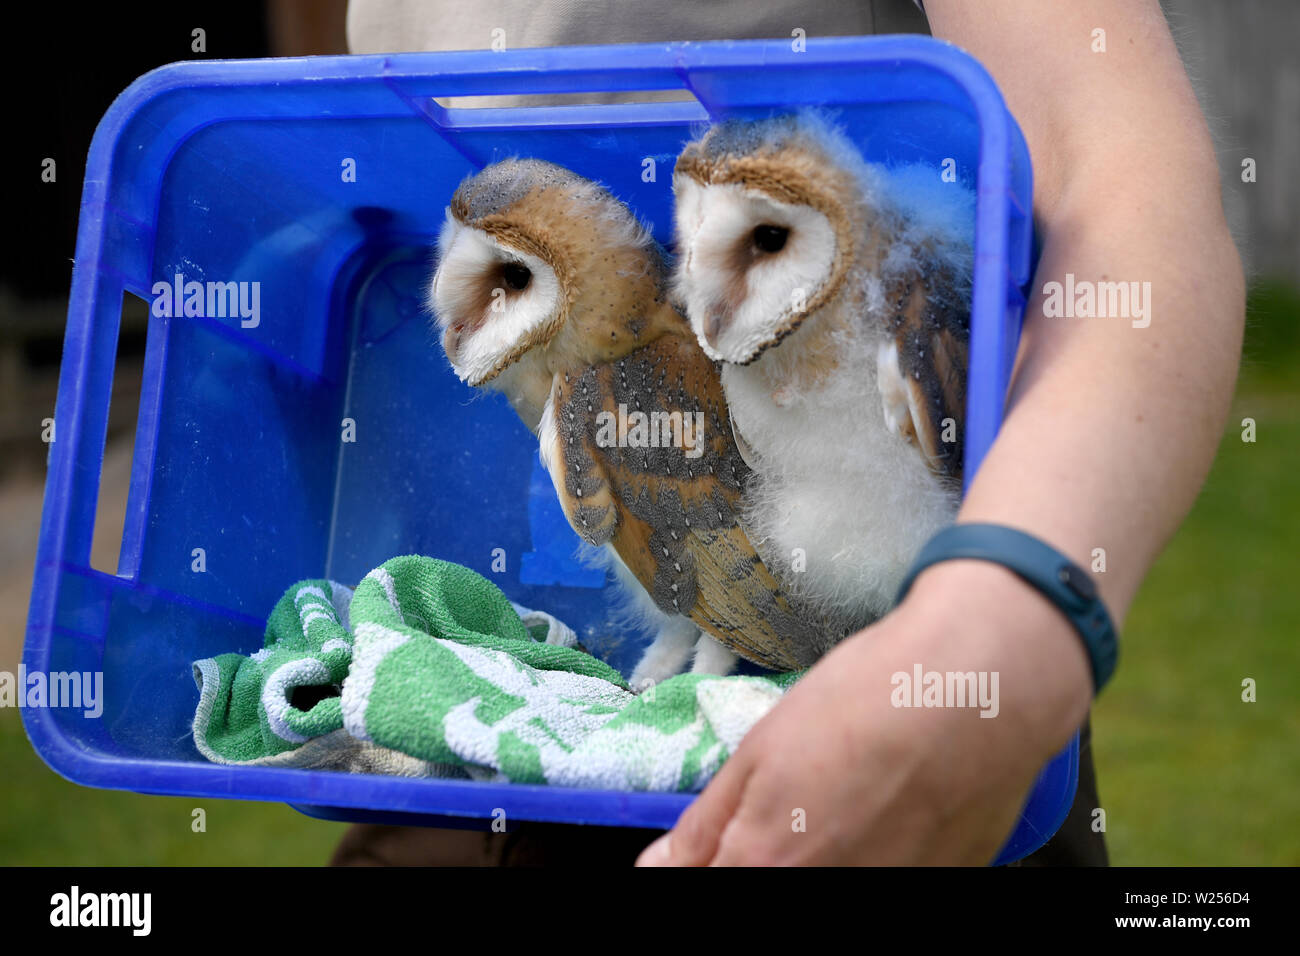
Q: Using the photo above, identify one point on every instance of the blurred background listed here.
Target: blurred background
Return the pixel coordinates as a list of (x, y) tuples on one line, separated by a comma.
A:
[(1188, 773)]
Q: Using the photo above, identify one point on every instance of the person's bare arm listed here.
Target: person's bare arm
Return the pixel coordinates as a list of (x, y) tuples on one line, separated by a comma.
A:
[(1111, 428), (1109, 433)]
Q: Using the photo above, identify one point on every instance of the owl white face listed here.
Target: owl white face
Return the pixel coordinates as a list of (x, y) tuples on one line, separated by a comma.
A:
[(748, 265), (492, 302)]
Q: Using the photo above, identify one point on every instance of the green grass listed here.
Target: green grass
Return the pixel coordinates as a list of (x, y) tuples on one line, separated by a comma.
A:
[(1188, 772), (47, 821)]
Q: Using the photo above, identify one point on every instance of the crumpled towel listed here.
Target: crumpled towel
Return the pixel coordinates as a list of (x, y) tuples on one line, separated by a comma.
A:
[(427, 669)]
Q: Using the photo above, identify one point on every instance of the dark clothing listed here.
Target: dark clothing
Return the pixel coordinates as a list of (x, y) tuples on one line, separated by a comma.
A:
[(1076, 844)]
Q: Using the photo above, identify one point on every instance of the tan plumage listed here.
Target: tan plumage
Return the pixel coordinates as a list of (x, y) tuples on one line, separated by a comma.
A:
[(590, 329), (672, 519), (931, 334)]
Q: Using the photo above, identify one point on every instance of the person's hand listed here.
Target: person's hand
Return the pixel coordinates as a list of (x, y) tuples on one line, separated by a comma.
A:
[(836, 774)]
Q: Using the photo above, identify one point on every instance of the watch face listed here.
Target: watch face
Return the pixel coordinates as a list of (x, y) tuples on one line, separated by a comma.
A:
[(1078, 581)]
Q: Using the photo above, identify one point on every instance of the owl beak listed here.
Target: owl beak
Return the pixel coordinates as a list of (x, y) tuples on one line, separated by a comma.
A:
[(451, 341), (715, 320)]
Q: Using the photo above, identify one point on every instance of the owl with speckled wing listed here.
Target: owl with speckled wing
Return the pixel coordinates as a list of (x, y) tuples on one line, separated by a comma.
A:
[(549, 290), (836, 293)]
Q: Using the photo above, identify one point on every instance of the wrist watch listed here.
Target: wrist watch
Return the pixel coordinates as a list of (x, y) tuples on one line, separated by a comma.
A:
[(1040, 565)]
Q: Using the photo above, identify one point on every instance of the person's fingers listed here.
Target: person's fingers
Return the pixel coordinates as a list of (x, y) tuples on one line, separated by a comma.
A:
[(743, 844), (763, 827), (693, 841)]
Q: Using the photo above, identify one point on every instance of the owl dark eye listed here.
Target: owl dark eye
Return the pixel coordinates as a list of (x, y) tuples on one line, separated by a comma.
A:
[(516, 275), (770, 238)]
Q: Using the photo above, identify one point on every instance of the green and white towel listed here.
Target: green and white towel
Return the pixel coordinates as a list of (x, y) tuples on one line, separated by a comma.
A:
[(429, 670)]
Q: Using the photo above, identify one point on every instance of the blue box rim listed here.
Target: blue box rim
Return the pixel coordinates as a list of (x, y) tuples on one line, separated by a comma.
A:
[(573, 66)]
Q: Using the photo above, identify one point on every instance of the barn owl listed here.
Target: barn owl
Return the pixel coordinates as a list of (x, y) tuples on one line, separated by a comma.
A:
[(549, 290), (836, 293)]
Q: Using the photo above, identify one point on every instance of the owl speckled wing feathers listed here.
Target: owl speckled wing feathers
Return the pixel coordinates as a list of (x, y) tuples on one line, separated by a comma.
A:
[(549, 290), (921, 372), (668, 501)]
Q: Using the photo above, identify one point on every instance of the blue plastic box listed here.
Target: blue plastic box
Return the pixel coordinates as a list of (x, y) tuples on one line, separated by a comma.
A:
[(324, 181)]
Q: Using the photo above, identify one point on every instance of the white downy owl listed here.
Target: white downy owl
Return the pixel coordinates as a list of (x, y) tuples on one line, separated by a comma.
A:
[(836, 293)]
